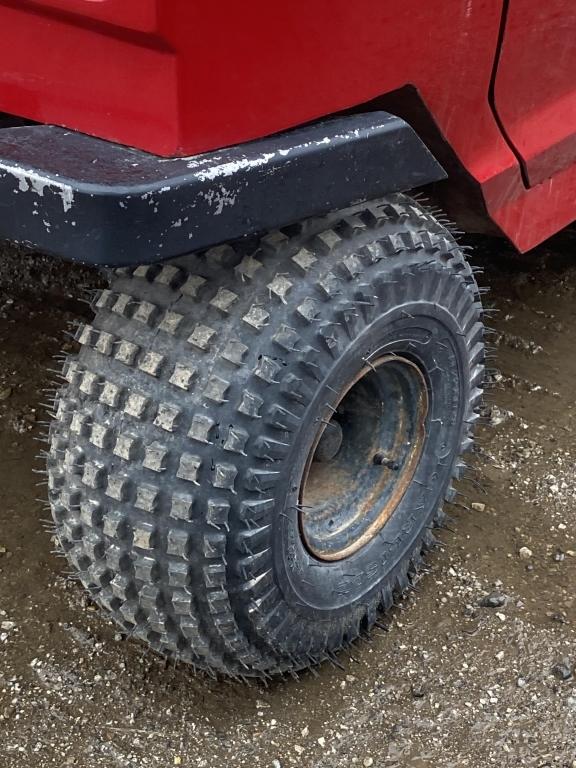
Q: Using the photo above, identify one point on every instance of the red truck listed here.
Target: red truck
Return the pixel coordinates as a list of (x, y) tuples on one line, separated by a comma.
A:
[(253, 444)]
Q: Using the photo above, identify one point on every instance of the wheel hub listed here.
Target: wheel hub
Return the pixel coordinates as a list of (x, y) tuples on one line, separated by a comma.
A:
[(363, 458)]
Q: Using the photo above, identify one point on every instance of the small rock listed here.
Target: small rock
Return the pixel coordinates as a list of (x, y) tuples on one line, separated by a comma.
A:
[(298, 749), (418, 691), (477, 506), (521, 682), (524, 553), (499, 416), (5, 393), (559, 556), (276, 764), (305, 731), (7, 625), (560, 617), (562, 670), (8, 712), (499, 656), (368, 761), (493, 600), (322, 741)]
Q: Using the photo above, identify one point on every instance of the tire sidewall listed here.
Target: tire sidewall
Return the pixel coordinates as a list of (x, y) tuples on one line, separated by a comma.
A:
[(429, 335)]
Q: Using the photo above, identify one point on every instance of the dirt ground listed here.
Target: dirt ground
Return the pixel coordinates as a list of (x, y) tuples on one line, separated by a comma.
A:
[(476, 667)]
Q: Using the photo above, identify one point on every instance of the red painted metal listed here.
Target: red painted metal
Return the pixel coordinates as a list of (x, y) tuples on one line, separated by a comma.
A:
[(180, 77), (536, 85), (131, 14)]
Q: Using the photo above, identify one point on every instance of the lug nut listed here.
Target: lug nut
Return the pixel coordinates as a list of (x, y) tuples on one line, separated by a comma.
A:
[(381, 460)]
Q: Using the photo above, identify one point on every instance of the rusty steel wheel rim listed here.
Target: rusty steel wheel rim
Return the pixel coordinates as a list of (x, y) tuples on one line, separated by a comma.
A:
[(363, 457)]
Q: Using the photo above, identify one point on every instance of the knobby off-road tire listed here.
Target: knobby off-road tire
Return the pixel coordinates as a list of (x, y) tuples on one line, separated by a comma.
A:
[(180, 453)]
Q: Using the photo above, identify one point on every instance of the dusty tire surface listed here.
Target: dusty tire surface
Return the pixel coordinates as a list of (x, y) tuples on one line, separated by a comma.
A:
[(188, 415)]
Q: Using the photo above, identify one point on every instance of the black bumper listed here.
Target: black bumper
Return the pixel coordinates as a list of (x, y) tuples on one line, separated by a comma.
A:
[(92, 201)]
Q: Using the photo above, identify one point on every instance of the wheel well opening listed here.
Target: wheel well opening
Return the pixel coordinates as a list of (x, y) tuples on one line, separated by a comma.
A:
[(459, 195)]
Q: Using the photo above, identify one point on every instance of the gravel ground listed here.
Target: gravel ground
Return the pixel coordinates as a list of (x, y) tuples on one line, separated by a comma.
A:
[(474, 669)]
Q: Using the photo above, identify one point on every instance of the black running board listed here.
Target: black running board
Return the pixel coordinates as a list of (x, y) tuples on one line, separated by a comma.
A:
[(91, 201)]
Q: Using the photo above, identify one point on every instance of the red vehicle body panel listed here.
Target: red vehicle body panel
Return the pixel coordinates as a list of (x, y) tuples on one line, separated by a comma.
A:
[(176, 77), (536, 85)]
